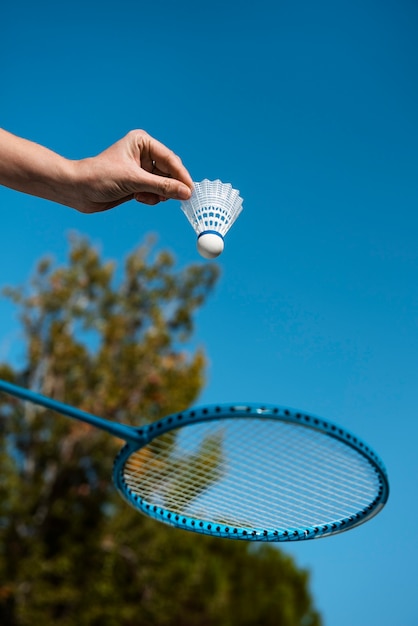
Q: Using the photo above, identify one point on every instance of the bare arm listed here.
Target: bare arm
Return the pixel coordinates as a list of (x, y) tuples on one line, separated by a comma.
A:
[(136, 167)]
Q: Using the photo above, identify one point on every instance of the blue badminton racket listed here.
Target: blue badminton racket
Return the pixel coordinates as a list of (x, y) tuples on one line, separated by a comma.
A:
[(251, 472)]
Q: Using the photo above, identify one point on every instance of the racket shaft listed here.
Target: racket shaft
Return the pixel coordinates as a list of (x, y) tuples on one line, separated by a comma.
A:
[(122, 431)]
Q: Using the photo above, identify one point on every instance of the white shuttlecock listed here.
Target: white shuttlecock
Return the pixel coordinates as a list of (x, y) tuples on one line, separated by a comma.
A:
[(212, 209)]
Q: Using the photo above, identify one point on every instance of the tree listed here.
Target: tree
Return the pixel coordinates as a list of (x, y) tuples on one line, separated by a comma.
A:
[(71, 552)]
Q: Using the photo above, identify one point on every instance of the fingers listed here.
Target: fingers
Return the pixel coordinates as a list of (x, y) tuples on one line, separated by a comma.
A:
[(162, 174), (166, 161), (164, 187), (147, 198)]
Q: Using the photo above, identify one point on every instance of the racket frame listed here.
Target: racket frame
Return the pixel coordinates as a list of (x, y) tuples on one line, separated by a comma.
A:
[(138, 437), (251, 410)]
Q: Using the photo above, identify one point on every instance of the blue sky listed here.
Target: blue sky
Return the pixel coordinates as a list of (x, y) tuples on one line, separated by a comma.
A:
[(310, 109)]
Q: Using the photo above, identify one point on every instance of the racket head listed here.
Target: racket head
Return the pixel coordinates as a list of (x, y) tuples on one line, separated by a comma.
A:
[(252, 472)]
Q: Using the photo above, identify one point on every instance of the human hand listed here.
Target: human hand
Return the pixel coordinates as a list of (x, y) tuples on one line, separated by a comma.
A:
[(136, 167)]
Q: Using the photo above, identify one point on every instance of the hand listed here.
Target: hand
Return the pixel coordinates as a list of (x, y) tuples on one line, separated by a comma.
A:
[(136, 167)]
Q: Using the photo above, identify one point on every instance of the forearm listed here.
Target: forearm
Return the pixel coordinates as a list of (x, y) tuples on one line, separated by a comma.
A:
[(30, 168)]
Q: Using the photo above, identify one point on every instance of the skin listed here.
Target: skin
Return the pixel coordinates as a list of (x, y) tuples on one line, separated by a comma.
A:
[(137, 167)]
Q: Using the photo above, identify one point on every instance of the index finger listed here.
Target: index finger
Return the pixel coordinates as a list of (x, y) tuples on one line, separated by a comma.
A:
[(169, 162)]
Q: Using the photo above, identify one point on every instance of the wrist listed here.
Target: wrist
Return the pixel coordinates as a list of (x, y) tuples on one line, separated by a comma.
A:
[(58, 181)]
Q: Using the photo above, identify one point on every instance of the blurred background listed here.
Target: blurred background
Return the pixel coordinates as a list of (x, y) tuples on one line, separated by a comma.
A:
[(310, 110)]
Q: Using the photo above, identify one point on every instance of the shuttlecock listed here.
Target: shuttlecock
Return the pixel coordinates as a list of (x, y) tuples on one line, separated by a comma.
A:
[(212, 209)]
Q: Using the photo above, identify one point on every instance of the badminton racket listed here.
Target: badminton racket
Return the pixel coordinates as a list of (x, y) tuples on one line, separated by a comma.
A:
[(242, 471)]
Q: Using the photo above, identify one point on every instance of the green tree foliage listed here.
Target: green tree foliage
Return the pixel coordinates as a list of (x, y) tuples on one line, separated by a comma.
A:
[(72, 553)]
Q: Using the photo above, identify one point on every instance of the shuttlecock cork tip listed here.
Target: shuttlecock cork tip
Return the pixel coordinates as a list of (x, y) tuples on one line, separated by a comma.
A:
[(210, 244)]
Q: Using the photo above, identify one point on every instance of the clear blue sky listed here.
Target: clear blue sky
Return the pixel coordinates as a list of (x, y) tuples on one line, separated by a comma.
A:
[(310, 109)]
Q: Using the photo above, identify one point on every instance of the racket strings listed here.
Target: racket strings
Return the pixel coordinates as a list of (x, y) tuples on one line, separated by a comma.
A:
[(253, 472), (187, 488), (187, 493), (157, 451), (288, 455), (183, 493)]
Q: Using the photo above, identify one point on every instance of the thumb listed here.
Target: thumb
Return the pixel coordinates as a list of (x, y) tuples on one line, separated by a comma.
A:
[(164, 187)]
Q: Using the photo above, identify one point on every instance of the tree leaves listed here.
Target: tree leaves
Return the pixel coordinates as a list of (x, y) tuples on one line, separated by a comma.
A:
[(115, 342)]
